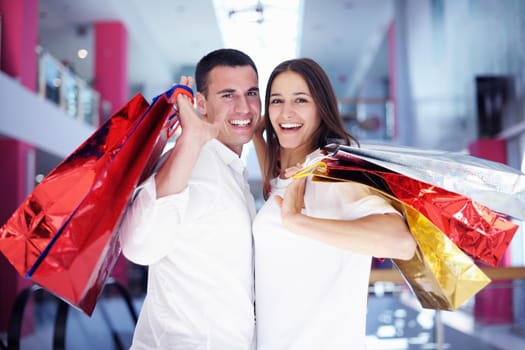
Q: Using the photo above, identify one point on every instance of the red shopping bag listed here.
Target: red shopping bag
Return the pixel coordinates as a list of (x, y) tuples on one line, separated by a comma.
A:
[(64, 235), (478, 231)]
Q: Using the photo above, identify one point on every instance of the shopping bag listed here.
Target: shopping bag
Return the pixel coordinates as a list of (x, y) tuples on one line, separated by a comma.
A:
[(480, 232), (492, 184), (64, 235), (440, 275)]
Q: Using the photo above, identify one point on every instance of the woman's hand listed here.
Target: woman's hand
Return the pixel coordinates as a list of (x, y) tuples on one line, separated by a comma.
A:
[(291, 171), (293, 201)]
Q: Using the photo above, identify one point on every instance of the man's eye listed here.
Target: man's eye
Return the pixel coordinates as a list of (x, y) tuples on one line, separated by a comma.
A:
[(229, 95), (253, 93)]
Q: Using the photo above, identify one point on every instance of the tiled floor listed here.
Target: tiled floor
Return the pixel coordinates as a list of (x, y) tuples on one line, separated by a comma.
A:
[(394, 322)]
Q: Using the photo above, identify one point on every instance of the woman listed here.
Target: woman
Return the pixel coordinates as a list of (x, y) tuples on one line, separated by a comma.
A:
[(314, 241)]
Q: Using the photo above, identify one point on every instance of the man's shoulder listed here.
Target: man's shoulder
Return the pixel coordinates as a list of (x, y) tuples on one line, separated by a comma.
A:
[(211, 152), (209, 163)]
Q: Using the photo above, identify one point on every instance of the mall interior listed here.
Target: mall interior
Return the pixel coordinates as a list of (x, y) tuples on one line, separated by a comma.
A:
[(441, 75)]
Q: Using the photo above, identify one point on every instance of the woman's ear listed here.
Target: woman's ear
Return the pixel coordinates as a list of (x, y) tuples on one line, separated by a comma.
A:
[(201, 104)]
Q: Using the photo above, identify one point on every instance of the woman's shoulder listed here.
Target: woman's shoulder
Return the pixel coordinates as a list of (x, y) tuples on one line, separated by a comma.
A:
[(338, 190)]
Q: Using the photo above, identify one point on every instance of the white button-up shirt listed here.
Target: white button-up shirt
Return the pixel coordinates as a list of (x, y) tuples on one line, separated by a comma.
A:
[(198, 246)]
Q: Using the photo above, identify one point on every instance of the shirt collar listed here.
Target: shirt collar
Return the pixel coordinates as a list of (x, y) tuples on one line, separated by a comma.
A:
[(228, 157)]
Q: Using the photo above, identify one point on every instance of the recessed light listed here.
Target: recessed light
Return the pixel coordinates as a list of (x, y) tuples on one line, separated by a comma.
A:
[(82, 53)]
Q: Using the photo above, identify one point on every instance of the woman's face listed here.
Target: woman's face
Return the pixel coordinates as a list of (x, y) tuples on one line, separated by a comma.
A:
[(293, 112)]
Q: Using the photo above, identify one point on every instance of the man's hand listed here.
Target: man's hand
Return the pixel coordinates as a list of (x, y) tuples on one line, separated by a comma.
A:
[(193, 127)]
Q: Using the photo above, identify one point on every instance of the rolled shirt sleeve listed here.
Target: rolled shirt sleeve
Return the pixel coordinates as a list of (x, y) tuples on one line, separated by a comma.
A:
[(148, 228)]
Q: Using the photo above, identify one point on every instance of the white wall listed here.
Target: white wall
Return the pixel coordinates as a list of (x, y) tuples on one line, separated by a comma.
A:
[(32, 119), (143, 64), (445, 54)]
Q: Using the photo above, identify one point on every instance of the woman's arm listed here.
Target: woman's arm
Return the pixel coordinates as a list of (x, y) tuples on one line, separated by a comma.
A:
[(380, 235), (259, 144)]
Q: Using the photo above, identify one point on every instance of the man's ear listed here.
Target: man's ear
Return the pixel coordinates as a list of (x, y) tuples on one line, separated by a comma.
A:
[(201, 104)]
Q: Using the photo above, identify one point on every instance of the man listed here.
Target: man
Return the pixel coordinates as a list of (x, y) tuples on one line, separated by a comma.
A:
[(191, 221)]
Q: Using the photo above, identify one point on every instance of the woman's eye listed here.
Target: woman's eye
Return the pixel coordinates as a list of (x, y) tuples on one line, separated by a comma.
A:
[(275, 101)]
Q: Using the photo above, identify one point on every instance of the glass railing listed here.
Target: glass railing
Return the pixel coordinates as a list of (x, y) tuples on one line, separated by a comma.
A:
[(59, 84), (370, 119)]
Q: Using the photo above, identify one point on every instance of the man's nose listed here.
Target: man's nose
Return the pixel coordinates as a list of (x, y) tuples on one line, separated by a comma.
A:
[(242, 105)]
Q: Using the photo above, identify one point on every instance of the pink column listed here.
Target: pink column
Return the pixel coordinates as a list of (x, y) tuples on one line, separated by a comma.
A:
[(18, 157), (19, 40), (111, 80), (18, 60), (493, 305), (111, 63)]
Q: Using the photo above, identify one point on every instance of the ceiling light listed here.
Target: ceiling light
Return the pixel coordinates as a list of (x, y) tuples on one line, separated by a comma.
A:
[(82, 53), (250, 14), (267, 30)]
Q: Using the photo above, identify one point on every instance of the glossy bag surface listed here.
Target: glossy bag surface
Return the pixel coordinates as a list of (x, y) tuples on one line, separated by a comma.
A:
[(480, 232), (441, 276), (492, 184), (450, 229), (64, 235)]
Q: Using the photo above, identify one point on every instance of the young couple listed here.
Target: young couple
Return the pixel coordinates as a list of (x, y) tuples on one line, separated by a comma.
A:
[(192, 221)]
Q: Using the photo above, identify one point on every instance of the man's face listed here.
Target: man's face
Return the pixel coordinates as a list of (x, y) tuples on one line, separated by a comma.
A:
[(233, 100)]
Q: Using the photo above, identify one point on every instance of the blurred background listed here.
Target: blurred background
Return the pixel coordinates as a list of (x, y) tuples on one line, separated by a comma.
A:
[(433, 74)]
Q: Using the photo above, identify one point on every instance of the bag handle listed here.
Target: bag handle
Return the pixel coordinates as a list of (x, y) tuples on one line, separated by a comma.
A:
[(171, 95)]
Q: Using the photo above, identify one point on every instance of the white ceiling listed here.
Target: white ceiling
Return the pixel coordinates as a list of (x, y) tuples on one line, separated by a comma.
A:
[(344, 36)]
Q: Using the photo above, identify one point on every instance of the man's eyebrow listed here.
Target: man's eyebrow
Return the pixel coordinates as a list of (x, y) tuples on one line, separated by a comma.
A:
[(230, 90), (226, 91)]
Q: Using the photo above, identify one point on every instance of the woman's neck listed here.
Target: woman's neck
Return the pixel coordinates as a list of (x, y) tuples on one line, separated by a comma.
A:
[(291, 157)]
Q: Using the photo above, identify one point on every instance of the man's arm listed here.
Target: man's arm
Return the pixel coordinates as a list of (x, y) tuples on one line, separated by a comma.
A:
[(174, 174), (147, 229)]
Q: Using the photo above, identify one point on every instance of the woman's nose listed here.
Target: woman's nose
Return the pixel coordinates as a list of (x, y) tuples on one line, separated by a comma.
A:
[(287, 110)]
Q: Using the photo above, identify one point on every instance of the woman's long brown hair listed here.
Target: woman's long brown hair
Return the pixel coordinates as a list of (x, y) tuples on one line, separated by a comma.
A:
[(332, 128)]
